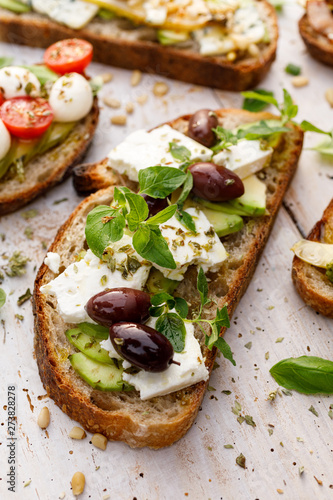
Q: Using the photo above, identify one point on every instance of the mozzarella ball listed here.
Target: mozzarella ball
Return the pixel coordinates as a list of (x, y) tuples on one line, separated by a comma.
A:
[(71, 98), (18, 82), (5, 140)]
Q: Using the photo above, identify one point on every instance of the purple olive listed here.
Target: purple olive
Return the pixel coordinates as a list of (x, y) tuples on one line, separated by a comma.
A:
[(119, 304), (155, 205), (200, 127), (142, 346), (215, 182)]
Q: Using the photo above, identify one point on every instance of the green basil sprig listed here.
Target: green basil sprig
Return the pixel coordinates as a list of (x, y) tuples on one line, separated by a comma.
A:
[(287, 109), (253, 104), (306, 374)]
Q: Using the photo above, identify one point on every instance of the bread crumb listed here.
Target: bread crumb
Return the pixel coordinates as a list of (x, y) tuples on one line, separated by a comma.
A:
[(136, 77), (160, 89), (62, 495), (111, 102), (142, 99), (280, 492), (119, 120), (329, 96), (129, 108), (300, 81), (106, 77)]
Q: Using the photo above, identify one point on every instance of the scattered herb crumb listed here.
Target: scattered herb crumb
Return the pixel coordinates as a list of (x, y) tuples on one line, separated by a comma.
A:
[(279, 339), (226, 392), (313, 410), (248, 345), (228, 446), (330, 414), (16, 264), (293, 69), (286, 392), (19, 317), (249, 420), (28, 232), (211, 388), (23, 298), (267, 355), (97, 467), (29, 214), (56, 202), (237, 408), (270, 431), (301, 470), (281, 444), (44, 245), (240, 419), (270, 308), (209, 448), (240, 460), (27, 483), (300, 440)]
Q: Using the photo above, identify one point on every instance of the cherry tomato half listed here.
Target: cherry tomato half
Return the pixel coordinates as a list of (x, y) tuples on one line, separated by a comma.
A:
[(26, 117), (69, 56), (2, 99)]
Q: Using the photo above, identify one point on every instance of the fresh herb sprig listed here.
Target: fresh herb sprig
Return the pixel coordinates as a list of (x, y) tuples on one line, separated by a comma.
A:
[(325, 147), (172, 324), (254, 105), (287, 109)]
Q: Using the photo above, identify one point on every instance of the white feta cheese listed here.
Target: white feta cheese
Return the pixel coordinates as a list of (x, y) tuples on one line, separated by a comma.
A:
[(203, 249), (81, 280), (72, 13), (52, 261), (143, 149), (244, 158), (5, 140), (155, 14)]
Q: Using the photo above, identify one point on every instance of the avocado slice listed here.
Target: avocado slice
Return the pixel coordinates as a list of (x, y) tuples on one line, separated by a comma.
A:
[(98, 375), (96, 331), (223, 223), (253, 201), (157, 283), (15, 6), (88, 346), (222, 206)]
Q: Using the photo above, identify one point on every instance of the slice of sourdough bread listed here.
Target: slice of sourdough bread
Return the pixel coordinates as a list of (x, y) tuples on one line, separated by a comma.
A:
[(162, 420), (118, 43), (46, 170), (317, 44), (311, 282)]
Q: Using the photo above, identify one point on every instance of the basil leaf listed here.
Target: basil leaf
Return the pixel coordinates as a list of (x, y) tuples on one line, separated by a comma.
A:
[(138, 210), (263, 129), (289, 109), (226, 137), (150, 244), (221, 320), (173, 328), (306, 374), (119, 196), (156, 311), (104, 225), (2, 297), (308, 127), (159, 182), (5, 61), (202, 287), (292, 69), (268, 99), (163, 215), (255, 105), (96, 331), (181, 307), (160, 298), (180, 153), (224, 347), (187, 187), (43, 73), (186, 220), (325, 147)]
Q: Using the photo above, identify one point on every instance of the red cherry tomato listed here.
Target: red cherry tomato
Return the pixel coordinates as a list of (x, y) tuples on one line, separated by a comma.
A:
[(69, 56), (26, 117), (2, 99)]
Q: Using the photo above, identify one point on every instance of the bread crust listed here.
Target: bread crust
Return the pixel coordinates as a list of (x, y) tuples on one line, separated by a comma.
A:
[(311, 282), (51, 168), (143, 423), (150, 57), (318, 45)]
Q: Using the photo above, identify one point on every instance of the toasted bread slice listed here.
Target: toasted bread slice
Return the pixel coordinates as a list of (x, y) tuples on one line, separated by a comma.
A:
[(117, 43), (318, 45), (311, 282), (162, 420), (50, 168)]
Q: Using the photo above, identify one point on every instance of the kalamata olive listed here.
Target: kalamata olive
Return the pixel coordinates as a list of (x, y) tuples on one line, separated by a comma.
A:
[(215, 182), (200, 127), (155, 205), (142, 346), (119, 304)]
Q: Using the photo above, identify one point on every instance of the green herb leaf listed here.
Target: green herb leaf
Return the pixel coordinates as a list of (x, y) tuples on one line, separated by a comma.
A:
[(306, 374), (43, 73), (159, 182), (138, 210), (263, 129), (104, 226), (309, 127), (293, 69), (150, 244), (202, 287), (181, 307), (180, 153), (156, 311), (255, 105), (325, 147), (161, 298), (258, 96), (288, 109), (226, 139), (187, 187), (2, 297), (5, 61), (221, 321), (186, 220), (119, 195), (224, 347), (23, 298), (172, 326), (162, 216)]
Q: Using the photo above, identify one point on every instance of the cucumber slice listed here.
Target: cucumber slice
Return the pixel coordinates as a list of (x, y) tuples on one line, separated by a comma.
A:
[(98, 375), (223, 223), (96, 331), (222, 206), (253, 201), (14, 6), (157, 282), (89, 346)]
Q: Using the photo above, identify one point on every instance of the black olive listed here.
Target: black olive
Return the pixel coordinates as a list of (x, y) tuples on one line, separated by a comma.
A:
[(142, 346), (200, 127), (155, 205), (215, 182), (119, 304)]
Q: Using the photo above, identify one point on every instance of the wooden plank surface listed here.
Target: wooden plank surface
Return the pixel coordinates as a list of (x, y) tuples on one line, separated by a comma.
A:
[(199, 466)]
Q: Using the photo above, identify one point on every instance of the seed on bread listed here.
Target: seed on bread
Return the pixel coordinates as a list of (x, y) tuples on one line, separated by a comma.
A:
[(78, 483)]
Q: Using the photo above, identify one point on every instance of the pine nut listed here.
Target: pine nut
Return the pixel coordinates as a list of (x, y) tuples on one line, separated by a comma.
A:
[(129, 108), (142, 99), (299, 81), (44, 418), (231, 56), (99, 441), (111, 102), (107, 77), (62, 495), (136, 77), (253, 50), (119, 120), (78, 483), (329, 96), (160, 89), (77, 433)]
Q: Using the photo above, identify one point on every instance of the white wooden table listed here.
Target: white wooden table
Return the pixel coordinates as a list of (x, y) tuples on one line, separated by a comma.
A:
[(287, 435)]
